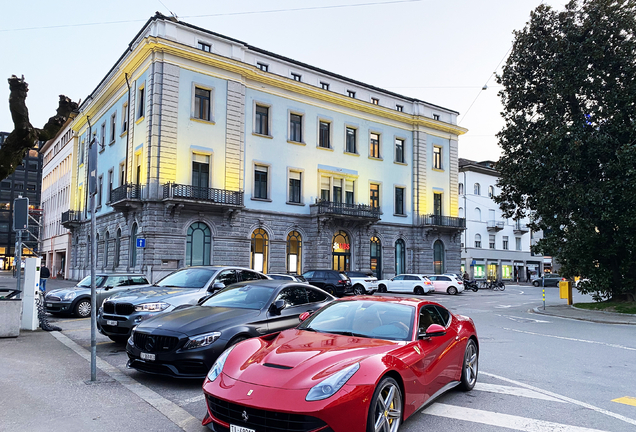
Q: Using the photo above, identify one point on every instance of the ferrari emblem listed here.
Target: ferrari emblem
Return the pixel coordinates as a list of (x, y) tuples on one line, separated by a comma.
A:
[(417, 349), (249, 393), (245, 416)]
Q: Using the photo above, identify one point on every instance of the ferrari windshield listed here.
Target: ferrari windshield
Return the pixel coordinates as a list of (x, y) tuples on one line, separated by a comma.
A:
[(188, 278), (372, 319), (242, 297)]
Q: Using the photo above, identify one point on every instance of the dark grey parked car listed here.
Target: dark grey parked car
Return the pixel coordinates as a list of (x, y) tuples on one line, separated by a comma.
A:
[(120, 313), (77, 300), (548, 279)]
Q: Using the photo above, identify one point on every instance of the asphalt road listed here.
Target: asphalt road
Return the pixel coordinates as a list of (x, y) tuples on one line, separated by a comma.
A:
[(537, 373)]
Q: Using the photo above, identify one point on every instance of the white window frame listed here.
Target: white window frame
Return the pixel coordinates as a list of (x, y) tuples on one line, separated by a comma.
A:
[(300, 171), (395, 188), (141, 89), (269, 119), (403, 139), (330, 122), (256, 164), (302, 126), (193, 113)]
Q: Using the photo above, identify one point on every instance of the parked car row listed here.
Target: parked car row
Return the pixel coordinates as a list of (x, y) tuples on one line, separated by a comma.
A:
[(422, 284)]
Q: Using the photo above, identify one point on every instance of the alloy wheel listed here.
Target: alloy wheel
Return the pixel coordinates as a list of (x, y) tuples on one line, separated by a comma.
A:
[(387, 411)]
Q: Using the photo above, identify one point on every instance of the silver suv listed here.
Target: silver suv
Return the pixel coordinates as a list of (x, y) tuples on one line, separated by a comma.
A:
[(120, 313)]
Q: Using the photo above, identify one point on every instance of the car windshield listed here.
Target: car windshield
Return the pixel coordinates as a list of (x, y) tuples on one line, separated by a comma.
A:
[(241, 297), (188, 278), (372, 319), (86, 282)]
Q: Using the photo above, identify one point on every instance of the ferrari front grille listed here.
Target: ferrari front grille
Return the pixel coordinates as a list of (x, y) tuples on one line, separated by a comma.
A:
[(262, 420)]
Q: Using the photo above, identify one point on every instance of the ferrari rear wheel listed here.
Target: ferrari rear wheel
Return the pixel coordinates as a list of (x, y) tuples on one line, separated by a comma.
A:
[(385, 412), (470, 367)]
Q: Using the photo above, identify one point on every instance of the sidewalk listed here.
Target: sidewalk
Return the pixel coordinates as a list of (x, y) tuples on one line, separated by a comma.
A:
[(565, 311)]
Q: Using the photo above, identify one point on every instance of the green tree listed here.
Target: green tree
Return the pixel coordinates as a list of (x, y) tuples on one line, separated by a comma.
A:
[(569, 141)]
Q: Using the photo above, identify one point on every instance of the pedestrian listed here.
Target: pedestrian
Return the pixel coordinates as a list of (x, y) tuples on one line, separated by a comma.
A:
[(527, 275), (44, 275)]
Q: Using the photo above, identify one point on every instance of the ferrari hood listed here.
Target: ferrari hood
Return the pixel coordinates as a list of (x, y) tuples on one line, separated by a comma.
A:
[(298, 359)]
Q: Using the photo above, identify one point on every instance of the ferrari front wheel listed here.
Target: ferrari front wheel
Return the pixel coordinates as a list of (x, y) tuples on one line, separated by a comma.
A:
[(470, 367), (385, 412)]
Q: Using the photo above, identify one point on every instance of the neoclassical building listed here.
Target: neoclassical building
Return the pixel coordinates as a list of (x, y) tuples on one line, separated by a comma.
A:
[(213, 151)]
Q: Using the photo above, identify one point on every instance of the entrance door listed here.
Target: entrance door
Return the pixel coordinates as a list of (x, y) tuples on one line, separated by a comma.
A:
[(341, 247), (341, 261), (376, 257)]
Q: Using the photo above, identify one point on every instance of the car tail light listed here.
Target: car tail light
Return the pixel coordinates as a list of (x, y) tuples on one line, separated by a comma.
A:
[(342, 281), (459, 282), (428, 283)]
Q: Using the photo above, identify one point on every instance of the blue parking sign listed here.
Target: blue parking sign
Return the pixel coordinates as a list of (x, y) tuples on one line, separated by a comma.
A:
[(141, 243)]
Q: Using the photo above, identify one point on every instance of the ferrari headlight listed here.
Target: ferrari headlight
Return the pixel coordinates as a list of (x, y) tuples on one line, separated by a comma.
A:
[(69, 295), (202, 340), (151, 307), (217, 368), (329, 386)]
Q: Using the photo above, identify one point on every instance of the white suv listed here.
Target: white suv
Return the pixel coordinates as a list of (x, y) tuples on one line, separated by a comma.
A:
[(363, 283), (447, 283)]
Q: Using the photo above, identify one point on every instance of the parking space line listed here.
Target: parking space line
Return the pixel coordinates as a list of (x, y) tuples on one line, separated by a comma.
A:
[(172, 411), (515, 391), (502, 420), (573, 339), (627, 400)]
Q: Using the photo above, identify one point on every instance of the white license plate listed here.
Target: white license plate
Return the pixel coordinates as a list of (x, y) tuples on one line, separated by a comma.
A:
[(234, 428), (147, 356), (49, 305), (111, 323)]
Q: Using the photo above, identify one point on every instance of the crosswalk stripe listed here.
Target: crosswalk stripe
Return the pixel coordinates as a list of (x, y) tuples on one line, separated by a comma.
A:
[(502, 420), (515, 391)]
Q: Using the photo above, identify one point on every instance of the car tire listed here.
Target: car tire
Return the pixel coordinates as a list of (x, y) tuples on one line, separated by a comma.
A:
[(418, 290), (387, 398), (359, 290), (236, 340), (470, 366), (452, 290), (382, 288), (535, 283), (119, 339), (83, 308), (330, 289)]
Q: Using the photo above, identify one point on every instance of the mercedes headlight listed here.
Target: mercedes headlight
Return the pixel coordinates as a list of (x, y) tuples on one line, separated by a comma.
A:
[(151, 307), (329, 386), (217, 368), (69, 295), (201, 340)]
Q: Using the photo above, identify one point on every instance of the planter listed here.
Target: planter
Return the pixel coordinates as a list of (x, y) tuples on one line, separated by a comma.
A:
[(10, 317)]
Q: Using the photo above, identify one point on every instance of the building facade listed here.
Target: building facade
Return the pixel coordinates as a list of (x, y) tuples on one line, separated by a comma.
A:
[(213, 151), (25, 182), (493, 247), (57, 193)]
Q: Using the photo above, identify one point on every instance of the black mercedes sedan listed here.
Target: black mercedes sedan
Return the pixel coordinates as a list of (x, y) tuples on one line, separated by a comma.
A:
[(185, 342)]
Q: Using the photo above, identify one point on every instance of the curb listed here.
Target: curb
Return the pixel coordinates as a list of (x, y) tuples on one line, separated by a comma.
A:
[(539, 311)]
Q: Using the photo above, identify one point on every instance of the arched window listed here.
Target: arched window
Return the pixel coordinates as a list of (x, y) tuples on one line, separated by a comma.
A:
[(198, 243), (258, 256), (294, 249), (400, 257), (117, 247), (477, 214), (477, 241), (438, 257), (106, 237), (376, 257), (477, 189), (491, 191), (461, 189), (133, 246)]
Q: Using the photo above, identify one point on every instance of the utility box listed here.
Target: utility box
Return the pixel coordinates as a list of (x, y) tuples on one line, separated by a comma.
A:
[(565, 291)]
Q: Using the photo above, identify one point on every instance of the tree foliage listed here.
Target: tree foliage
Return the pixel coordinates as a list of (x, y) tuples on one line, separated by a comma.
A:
[(569, 141), (24, 135)]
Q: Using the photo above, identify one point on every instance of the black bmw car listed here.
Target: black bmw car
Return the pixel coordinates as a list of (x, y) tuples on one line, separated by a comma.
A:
[(186, 342)]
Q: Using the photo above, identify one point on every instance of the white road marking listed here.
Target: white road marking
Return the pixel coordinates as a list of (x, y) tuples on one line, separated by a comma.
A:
[(515, 391), (501, 420), (565, 398), (521, 319), (573, 339), (503, 306), (192, 400), (175, 413)]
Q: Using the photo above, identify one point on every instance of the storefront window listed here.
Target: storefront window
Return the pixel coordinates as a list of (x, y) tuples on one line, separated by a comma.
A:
[(400, 257), (492, 272), (258, 255), (506, 271), (294, 247), (376, 257), (479, 271)]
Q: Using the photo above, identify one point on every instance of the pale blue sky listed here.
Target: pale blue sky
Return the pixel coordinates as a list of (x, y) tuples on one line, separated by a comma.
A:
[(440, 51)]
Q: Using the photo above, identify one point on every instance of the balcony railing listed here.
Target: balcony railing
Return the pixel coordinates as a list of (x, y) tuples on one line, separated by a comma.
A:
[(347, 210), (128, 191), (495, 225), (197, 193), (443, 221), (521, 228), (71, 218)]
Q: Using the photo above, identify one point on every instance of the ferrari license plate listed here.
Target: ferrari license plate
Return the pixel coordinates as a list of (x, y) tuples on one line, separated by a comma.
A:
[(234, 428), (111, 323), (147, 356)]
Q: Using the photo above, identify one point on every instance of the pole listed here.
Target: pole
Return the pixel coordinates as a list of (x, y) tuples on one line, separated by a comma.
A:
[(18, 260), (93, 293), (543, 285)]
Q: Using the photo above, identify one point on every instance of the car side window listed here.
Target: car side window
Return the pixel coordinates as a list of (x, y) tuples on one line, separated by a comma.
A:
[(308, 275), (411, 278), (116, 281), (293, 296), (226, 277), (432, 278), (247, 275), (428, 316), (315, 295), (398, 278), (443, 278), (138, 280), (319, 275), (444, 313)]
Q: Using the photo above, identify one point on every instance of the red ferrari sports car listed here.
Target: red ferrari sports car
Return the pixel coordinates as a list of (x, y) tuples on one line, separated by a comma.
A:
[(359, 364)]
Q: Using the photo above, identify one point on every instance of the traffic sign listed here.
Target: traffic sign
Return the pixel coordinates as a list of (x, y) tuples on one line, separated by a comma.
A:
[(141, 243)]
